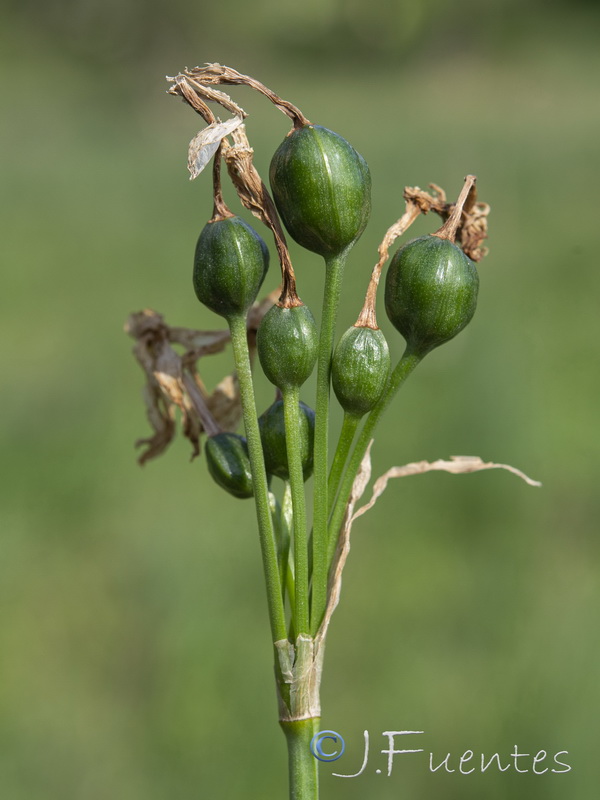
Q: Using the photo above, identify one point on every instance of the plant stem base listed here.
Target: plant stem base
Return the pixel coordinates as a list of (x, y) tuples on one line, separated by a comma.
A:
[(303, 766)]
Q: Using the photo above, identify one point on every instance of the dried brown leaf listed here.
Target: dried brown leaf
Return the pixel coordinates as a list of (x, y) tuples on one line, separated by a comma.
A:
[(173, 381), (458, 465), (225, 403)]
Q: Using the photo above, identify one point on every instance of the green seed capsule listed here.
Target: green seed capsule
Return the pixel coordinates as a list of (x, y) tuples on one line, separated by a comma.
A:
[(287, 343), (430, 292), (272, 434), (360, 369), (322, 189), (230, 264), (229, 463)]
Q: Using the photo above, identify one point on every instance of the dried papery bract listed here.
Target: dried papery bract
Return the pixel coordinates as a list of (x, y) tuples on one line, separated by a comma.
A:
[(206, 144)]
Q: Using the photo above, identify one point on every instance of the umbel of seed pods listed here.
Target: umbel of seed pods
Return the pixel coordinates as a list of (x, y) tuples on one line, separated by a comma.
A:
[(321, 188)]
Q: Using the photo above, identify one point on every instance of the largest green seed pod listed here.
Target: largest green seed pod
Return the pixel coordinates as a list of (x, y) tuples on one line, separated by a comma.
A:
[(287, 344), (430, 292), (229, 464), (360, 369), (322, 189), (230, 264)]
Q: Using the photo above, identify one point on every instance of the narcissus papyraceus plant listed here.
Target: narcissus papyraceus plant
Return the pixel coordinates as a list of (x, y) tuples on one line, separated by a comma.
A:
[(321, 196)]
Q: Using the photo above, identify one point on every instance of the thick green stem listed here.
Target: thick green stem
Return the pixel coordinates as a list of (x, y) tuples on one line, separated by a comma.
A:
[(333, 282), (291, 399), (303, 766), (344, 444), (403, 369), (268, 546)]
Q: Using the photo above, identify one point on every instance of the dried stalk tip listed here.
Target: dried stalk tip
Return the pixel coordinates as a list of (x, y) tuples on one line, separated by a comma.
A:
[(220, 209), (472, 227), (450, 227), (218, 74), (196, 94), (255, 197), (368, 317)]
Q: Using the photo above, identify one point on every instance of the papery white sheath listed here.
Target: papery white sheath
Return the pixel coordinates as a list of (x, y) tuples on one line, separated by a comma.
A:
[(205, 144)]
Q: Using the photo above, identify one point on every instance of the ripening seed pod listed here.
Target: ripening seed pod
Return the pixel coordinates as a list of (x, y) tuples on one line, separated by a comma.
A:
[(272, 434), (229, 463), (430, 292), (230, 264), (322, 189), (287, 343), (360, 369)]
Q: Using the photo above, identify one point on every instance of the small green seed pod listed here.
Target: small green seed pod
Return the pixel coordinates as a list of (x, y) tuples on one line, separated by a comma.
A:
[(430, 292), (229, 463), (322, 189), (230, 264), (287, 343), (272, 434), (360, 369)]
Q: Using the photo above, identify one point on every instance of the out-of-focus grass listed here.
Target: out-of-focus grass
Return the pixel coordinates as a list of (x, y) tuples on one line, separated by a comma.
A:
[(134, 649)]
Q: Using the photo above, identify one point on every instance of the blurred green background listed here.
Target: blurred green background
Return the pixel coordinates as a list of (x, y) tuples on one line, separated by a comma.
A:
[(134, 651)]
